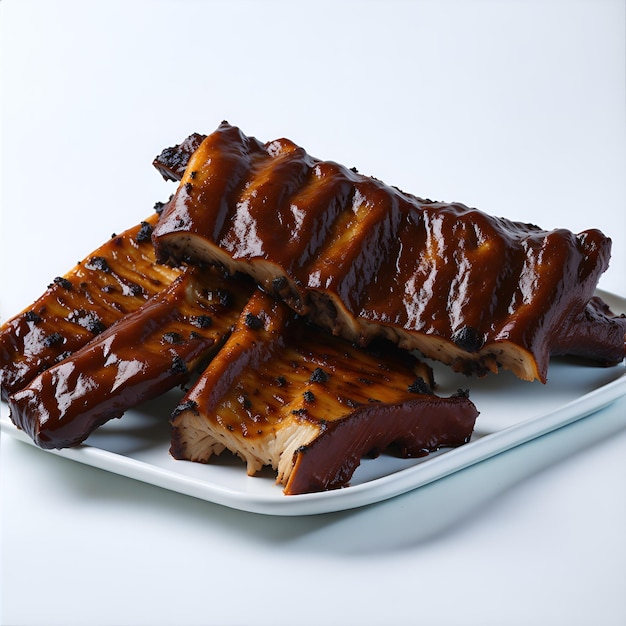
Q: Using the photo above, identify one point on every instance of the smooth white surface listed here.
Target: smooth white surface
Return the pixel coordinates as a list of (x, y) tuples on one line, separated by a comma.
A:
[(514, 107)]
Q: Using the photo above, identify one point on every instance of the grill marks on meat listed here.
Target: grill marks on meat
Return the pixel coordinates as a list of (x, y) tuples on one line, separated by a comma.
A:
[(368, 260), (112, 281), (288, 395), (143, 355)]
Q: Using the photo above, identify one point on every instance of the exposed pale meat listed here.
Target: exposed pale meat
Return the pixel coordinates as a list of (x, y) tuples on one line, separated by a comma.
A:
[(286, 394), (143, 355), (115, 279), (367, 260)]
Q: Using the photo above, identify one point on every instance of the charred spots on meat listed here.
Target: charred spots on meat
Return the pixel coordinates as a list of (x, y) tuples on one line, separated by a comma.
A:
[(420, 386), (31, 316), (469, 368), (253, 322), (95, 325), (319, 376), (62, 356), (173, 159), (189, 405), (365, 381), (108, 289), (53, 339), (178, 365), (158, 207), (172, 338), (188, 187), (99, 264), (281, 381), (62, 282), (88, 320), (309, 396), (468, 339), (144, 233), (225, 297), (280, 285), (132, 289), (301, 411), (202, 321), (193, 174)]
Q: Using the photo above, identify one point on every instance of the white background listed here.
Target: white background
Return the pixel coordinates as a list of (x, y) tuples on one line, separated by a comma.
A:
[(516, 107)]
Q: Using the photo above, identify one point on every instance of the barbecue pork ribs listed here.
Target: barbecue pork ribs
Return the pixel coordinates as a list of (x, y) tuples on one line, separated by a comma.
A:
[(143, 355), (367, 260), (114, 280), (285, 394)]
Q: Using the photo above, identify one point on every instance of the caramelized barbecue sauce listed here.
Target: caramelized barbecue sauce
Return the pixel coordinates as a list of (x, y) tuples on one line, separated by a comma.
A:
[(115, 279), (366, 259), (278, 374), (146, 353), (224, 159)]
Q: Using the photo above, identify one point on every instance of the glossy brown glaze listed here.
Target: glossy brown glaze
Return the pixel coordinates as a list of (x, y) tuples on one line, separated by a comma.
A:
[(409, 429), (365, 259), (143, 355), (594, 331), (115, 279), (286, 394)]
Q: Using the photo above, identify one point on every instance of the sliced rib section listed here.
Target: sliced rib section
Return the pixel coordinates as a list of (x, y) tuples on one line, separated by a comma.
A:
[(368, 260), (285, 394), (147, 352), (115, 279)]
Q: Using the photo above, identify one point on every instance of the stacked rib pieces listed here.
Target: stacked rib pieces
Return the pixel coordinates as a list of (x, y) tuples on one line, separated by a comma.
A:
[(298, 289), (286, 394)]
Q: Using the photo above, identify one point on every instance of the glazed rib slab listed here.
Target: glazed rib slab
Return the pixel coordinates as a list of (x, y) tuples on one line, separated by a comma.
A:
[(144, 354), (285, 394), (366, 260), (115, 279)]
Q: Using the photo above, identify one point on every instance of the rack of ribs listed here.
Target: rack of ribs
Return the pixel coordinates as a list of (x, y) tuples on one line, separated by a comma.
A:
[(285, 394), (366, 260), (115, 279), (141, 356), (300, 290)]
